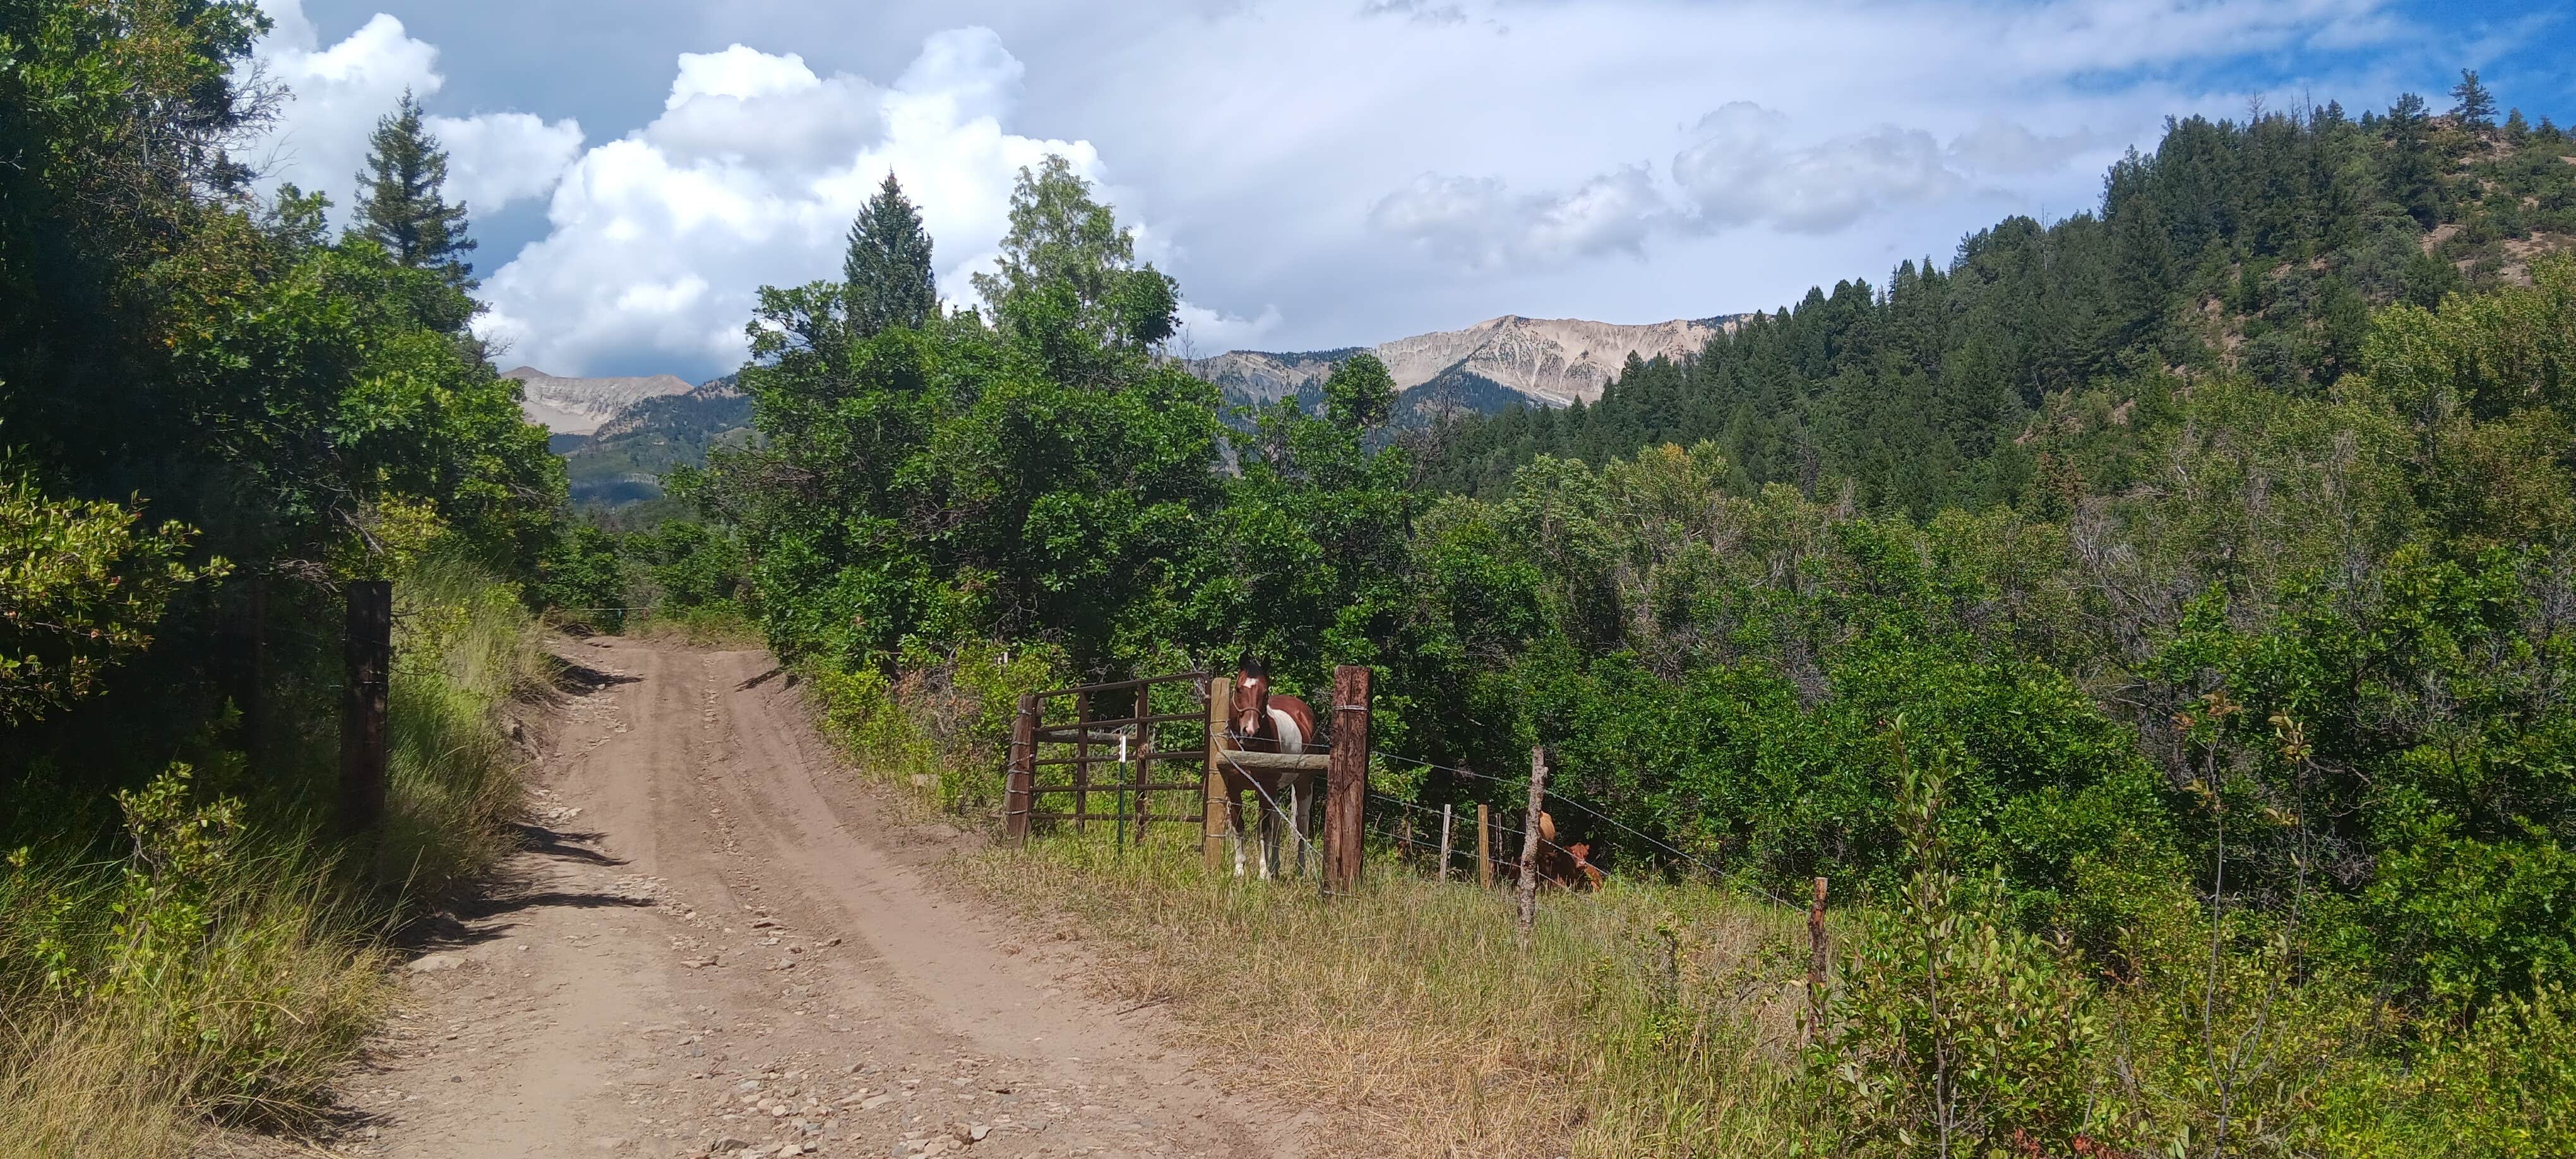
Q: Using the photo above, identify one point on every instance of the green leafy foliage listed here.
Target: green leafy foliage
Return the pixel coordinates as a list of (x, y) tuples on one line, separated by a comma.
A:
[(178, 938), (81, 586), (1951, 1033)]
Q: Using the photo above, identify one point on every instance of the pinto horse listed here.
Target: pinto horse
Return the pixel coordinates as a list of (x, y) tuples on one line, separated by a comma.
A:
[(1267, 722)]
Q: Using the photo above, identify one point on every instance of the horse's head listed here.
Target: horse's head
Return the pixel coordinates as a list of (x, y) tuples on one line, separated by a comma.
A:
[(1251, 701)]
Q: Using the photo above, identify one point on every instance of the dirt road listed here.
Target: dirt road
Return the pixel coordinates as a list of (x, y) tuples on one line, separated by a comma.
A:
[(720, 943)]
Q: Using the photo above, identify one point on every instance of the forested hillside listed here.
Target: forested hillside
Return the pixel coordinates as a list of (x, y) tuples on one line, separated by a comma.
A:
[(623, 461), (2157, 617), (2255, 250), (215, 413)]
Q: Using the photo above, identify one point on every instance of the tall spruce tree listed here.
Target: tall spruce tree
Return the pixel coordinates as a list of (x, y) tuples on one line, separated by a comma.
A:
[(2410, 171), (401, 205), (888, 265), (2476, 106)]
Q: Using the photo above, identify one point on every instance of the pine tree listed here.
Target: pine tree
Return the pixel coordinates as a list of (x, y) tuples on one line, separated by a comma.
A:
[(2516, 129), (2476, 107), (888, 265), (400, 204), (2410, 170)]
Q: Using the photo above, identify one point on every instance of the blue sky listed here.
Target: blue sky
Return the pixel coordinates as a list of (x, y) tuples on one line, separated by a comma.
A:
[(1316, 174)]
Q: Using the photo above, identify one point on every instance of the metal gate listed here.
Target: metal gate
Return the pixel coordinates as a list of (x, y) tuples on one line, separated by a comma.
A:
[(1060, 741), (1141, 763)]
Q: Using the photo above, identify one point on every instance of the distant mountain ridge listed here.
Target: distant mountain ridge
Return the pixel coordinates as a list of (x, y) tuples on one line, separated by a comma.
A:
[(623, 459), (1549, 362), (577, 406), (618, 435)]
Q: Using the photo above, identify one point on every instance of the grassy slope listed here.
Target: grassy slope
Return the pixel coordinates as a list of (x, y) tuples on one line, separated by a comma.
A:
[(1647, 1020), (230, 965)]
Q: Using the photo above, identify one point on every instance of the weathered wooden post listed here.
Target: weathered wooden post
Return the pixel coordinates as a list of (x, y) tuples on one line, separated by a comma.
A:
[(1819, 958), (1220, 706), (1444, 842), (1346, 779), (1529, 838), (1020, 791), (367, 653), (1484, 847)]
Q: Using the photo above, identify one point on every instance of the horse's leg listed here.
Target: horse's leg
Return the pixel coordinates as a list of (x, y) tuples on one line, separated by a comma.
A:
[(1235, 817), (1297, 821), (1269, 837)]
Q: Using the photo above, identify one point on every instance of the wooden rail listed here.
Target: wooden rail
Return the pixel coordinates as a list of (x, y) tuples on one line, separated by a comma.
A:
[(1246, 760)]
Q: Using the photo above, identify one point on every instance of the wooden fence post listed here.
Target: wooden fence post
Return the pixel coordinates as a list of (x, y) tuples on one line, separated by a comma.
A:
[(367, 653), (1484, 847), (1444, 842), (1819, 957), (1346, 779), (1529, 838), (1220, 706), (1020, 791)]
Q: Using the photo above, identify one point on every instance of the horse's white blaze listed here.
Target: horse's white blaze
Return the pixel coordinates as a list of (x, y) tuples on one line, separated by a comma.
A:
[(1290, 739)]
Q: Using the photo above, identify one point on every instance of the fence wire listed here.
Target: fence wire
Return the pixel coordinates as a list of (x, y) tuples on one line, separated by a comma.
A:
[(1551, 796)]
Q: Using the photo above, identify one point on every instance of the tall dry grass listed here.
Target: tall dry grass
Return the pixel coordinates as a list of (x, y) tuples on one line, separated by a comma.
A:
[(1644, 1020), (112, 1048), (469, 662), (218, 965)]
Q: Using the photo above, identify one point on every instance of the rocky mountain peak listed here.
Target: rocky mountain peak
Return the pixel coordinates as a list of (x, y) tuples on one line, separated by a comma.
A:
[(1539, 361)]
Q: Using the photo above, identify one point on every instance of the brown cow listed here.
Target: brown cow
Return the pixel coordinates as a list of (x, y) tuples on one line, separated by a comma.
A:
[(1566, 866)]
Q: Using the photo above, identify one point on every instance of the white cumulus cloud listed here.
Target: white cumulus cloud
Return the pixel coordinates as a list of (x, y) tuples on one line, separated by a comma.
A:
[(1739, 171), (751, 176), (336, 94), (1741, 167), (1481, 224)]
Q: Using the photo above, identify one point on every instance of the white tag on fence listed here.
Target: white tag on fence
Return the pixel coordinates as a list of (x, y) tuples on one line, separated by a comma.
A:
[(1122, 748)]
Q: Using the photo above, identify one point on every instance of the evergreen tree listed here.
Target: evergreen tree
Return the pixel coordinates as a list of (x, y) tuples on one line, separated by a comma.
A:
[(2476, 107), (888, 265), (2412, 173), (400, 203), (2516, 129)]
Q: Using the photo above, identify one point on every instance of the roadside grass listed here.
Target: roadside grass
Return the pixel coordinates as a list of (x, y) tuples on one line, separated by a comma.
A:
[(708, 626), (1643, 1020), (467, 653), (141, 1044), (218, 963)]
